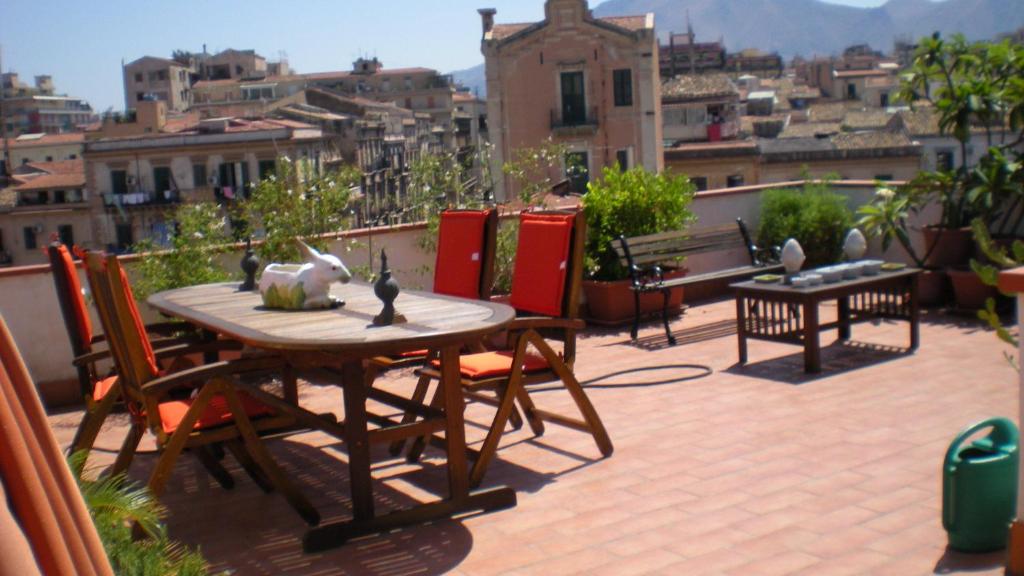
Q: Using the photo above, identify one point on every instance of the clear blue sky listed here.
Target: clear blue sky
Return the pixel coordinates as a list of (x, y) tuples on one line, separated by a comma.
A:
[(81, 43)]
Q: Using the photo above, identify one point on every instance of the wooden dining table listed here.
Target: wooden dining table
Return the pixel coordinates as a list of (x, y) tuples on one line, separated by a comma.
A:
[(333, 344)]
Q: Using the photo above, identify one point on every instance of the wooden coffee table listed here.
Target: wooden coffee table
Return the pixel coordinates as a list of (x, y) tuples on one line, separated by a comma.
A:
[(781, 313), (333, 344)]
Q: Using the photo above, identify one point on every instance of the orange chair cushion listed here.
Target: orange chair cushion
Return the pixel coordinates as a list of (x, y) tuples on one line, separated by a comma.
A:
[(542, 261), (103, 387), (140, 328), (82, 321), (495, 364), (216, 413), (460, 253), (414, 354)]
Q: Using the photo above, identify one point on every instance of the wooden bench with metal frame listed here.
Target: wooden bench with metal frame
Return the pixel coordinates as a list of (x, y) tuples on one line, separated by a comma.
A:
[(644, 255)]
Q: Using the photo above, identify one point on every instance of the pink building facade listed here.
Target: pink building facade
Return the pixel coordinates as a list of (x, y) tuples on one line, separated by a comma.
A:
[(590, 84)]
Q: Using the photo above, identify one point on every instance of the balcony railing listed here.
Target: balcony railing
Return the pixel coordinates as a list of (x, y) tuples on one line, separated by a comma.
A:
[(142, 199), (578, 123)]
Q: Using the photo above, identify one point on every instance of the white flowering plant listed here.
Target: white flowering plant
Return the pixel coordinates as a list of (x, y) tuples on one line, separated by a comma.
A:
[(887, 216)]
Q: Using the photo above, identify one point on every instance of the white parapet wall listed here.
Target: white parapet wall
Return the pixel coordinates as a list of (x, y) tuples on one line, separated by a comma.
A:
[(28, 301)]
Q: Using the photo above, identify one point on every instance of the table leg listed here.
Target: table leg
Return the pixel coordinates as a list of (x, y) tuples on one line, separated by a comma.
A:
[(210, 356), (455, 432), (357, 440), (915, 314), (741, 327), (812, 345), (843, 303)]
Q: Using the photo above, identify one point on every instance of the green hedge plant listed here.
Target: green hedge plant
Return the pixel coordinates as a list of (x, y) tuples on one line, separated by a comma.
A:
[(631, 203), (818, 218)]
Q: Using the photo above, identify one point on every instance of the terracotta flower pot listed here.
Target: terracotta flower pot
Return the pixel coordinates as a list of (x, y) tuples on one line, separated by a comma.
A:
[(952, 246), (611, 303), (971, 293)]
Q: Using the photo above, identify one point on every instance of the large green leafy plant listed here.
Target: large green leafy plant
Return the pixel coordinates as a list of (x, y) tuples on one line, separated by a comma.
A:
[(631, 203), (818, 218), (198, 236), (120, 510)]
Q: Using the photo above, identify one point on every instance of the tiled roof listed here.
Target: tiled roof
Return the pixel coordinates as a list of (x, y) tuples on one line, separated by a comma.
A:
[(920, 122), (871, 140), (810, 129), (53, 182), (868, 119), (33, 140), (698, 86), (502, 31), (331, 75), (60, 166), (830, 112)]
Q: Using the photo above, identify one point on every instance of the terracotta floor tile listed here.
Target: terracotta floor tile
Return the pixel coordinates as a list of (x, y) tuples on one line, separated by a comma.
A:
[(758, 469)]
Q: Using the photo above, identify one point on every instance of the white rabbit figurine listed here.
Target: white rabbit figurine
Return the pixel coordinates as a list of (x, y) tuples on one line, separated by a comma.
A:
[(306, 286)]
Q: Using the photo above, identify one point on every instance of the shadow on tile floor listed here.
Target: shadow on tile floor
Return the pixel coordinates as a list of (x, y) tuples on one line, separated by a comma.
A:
[(954, 561), (838, 358)]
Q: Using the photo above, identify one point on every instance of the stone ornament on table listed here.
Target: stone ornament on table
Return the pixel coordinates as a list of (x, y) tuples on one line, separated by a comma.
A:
[(792, 257), (303, 286), (855, 245), (249, 264), (386, 288)]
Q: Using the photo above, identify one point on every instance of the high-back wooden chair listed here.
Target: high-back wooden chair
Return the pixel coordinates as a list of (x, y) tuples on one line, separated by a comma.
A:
[(464, 267), (546, 285), (216, 413), (99, 389), (45, 527)]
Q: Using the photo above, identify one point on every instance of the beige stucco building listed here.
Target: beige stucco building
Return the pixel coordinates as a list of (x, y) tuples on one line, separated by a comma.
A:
[(589, 83), (159, 78), (137, 171)]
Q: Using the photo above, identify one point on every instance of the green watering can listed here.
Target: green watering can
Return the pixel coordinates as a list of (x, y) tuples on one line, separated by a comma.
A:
[(979, 487)]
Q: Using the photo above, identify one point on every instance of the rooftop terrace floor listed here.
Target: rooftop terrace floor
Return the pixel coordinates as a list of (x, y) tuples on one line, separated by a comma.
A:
[(718, 469)]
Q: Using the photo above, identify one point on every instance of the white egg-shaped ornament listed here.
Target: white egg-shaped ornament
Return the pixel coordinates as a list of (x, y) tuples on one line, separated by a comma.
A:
[(792, 256), (855, 245)]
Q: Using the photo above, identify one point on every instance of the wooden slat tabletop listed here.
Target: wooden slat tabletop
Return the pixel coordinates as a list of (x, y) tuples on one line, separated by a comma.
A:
[(433, 320)]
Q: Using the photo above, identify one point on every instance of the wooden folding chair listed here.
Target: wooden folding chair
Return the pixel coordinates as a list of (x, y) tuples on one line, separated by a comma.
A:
[(466, 242), (545, 293), (216, 413), (99, 390)]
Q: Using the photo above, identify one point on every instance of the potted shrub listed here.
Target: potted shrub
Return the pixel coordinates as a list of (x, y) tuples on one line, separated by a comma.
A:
[(818, 218), (630, 203)]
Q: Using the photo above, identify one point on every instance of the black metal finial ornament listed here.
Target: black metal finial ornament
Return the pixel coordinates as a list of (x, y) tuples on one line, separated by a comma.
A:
[(250, 264), (386, 288)]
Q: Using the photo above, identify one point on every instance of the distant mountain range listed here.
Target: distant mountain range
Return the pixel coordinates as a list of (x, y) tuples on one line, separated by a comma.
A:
[(809, 27)]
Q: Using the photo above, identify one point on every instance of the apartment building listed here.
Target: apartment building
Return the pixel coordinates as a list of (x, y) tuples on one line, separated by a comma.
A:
[(40, 147), (700, 108), (46, 201), (684, 55), (591, 84), (166, 80), (139, 168), (38, 108)]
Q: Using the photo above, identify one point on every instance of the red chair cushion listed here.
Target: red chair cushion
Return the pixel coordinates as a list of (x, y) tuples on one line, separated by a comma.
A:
[(82, 321), (494, 364), (460, 252), (542, 261), (103, 387), (140, 328), (216, 413)]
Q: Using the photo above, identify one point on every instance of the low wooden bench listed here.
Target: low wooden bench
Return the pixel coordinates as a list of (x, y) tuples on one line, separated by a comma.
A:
[(643, 256)]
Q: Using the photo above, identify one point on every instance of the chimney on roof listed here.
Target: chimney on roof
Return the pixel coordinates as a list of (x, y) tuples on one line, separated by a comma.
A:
[(487, 19)]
